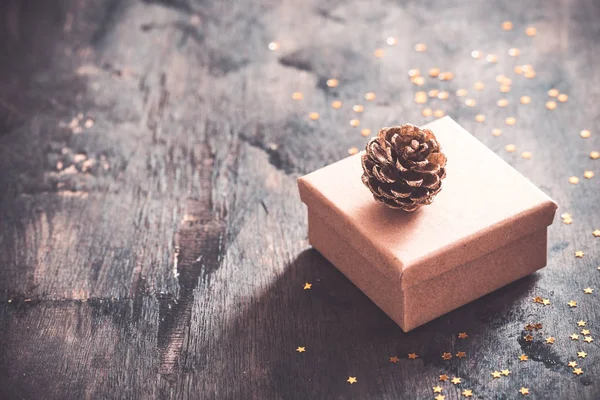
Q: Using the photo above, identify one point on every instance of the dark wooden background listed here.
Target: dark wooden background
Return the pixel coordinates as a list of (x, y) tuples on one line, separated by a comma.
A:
[(161, 251)]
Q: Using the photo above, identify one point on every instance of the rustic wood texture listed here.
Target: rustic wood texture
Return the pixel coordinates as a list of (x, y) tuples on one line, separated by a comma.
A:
[(160, 251)]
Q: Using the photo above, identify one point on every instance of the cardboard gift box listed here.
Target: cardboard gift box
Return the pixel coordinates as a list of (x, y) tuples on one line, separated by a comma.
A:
[(485, 229)]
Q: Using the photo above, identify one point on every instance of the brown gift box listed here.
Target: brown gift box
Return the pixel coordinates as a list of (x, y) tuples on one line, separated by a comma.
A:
[(485, 229)]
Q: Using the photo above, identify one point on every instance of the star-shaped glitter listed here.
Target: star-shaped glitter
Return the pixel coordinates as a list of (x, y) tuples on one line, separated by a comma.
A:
[(455, 380), (581, 354), (351, 380), (443, 378), (467, 393), (523, 357), (581, 323), (463, 335), (588, 290), (461, 354), (596, 233), (437, 389), (505, 372), (572, 304), (574, 336), (577, 371), (301, 349), (528, 338), (566, 216), (546, 302), (529, 327), (439, 397), (446, 356), (394, 359), (413, 356), (550, 340), (585, 332), (537, 326), (307, 286), (496, 374), (537, 299), (524, 391), (572, 364), (588, 339), (579, 254)]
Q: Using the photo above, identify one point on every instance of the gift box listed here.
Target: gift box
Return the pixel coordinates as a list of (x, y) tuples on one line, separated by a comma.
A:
[(485, 229)]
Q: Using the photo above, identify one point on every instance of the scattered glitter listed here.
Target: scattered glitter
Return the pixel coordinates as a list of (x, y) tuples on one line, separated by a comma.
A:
[(314, 116), (443, 95), (511, 148), (437, 389), (577, 371), (550, 105), (351, 380), (365, 132), (505, 372), (524, 391), (507, 25), (434, 72), (370, 96), (531, 31), (588, 339), (461, 354), (461, 92), (439, 113), (574, 180), (352, 151), (562, 97), (463, 335), (596, 233), (378, 53), (455, 380), (307, 286), (332, 82), (297, 96), (444, 378), (301, 349), (526, 155), (572, 304), (491, 58), (525, 99), (336, 104), (480, 118), (394, 359), (523, 357), (420, 47), (391, 41), (446, 356), (581, 323), (496, 132), (427, 112), (502, 103), (581, 354), (588, 290), (585, 133), (514, 52), (588, 174), (358, 108), (579, 254), (496, 374), (574, 336), (420, 97), (273, 46), (433, 93), (412, 356), (354, 123), (476, 54), (553, 92), (510, 121), (470, 102), (550, 340), (572, 364)]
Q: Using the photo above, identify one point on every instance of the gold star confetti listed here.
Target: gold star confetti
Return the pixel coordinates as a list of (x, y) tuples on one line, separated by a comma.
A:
[(443, 378), (562, 97), (439, 113), (546, 302), (531, 31), (427, 112), (446, 356), (588, 174), (565, 216), (433, 93), (507, 25), (496, 374), (480, 118), (370, 96), (524, 391), (505, 372), (479, 85), (357, 108), (577, 371), (314, 116), (378, 53), (491, 58), (461, 354), (511, 148), (394, 359), (567, 221), (537, 326), (579, 254), (414, 72), (572, 364), (514, 52), (391, 41), (510, 121), (502, 103), (476, 54), (446, 76), (418, 80), (301, 349), (420, 47), (596, 233), (526, 155), (420, 97), (550, 105), (525, 99), (461, 92), (455, 380), (573, 180), (443, 95), (307, 286), (463, 335), (273, 46), (553, 92), (529, 327), (434, 72), (581, 323), (351, 380), (581, 354), (413, 356), (574, 336), (505, 88), (352, 151), (523, 357), (332, 82), (537, 299), (528, 338), (354, 123), (467, 393), (496, 132), (550, 340), (585, 133), (439, 397), (518, 69), (572, 304), (588, 339), (470, 102), (585, 332), (437, 389), (297, 96), (529, 73), (588, 290), (336, 104), (594, 155)]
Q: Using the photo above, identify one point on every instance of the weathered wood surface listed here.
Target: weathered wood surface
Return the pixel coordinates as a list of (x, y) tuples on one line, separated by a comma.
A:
[(166, 257)]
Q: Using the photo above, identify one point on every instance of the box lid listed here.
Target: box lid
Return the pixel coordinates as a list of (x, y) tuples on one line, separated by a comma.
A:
[(484, 205)]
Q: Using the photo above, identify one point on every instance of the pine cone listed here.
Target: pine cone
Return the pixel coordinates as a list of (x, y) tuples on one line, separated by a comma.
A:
[(403, 167)]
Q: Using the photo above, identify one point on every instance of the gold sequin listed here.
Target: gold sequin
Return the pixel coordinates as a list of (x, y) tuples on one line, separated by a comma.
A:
[(358, 108), (446, 76), (511, 148), (553, 92), (439, 113), (594, 155), (526, 155), (531, 31), (336, 104), (574, 180), (418, 80), (433, 93), (514, 52), (505, 88), (510, 121), (588, 174), (365, 132), (502, 103), (518, 69), (529, 74), (585, 133), (414, 72), (562, 97), (480, 118), (427, 112), (297, 96), (420, 97), (314, 116), (479, 85), (525, 99), (461, 92), (443, 95), (370, 96), (496, 132), (507, 25), (354, 122), (332, 82), (550, 105), (470, 102), (434, 72)]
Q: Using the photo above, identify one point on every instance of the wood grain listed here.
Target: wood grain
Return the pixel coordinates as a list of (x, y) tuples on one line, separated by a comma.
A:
[(160, 252)]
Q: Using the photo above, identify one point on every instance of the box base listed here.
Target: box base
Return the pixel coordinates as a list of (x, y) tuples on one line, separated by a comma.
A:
[(428, 300)]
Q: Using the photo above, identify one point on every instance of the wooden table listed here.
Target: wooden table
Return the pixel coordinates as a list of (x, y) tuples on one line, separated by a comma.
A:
[(152, 241)]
